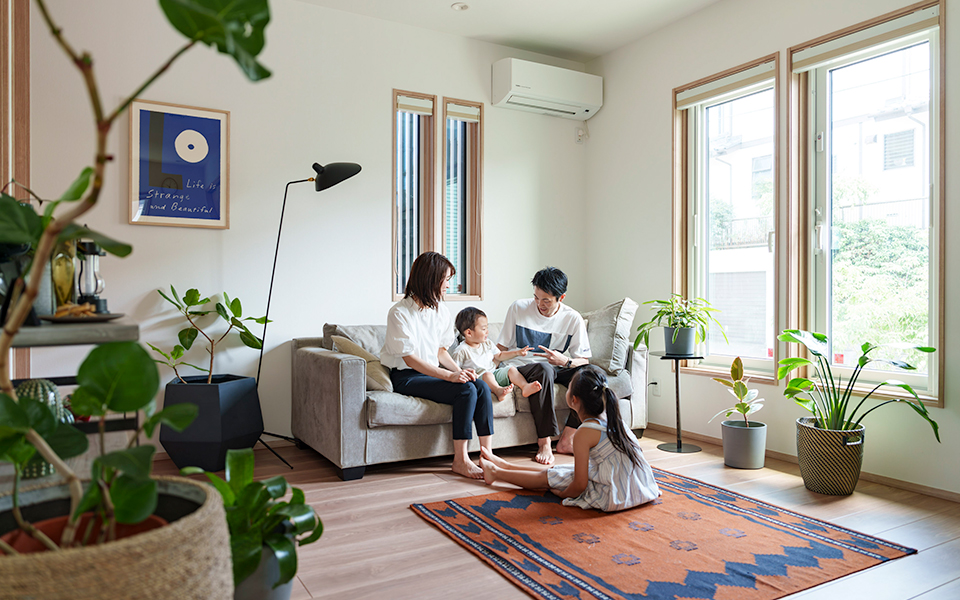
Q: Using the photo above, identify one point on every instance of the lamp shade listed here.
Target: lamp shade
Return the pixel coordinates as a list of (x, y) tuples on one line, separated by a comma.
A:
[(333, 173)]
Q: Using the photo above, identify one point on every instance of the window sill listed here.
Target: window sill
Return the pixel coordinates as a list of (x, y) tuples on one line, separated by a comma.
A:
[(724, 373)]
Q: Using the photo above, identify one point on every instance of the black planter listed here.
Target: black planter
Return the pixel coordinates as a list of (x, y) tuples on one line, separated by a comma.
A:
[(229, 418)]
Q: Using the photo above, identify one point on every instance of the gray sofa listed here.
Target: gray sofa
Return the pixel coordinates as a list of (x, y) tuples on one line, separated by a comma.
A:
[(342, 409)]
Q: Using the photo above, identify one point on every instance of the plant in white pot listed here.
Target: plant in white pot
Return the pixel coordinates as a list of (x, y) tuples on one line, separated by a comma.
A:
[(685, 324), (830, 443), (230, 415), (744, 442)]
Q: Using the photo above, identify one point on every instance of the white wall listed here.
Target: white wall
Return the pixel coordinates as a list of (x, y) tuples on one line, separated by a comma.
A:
[(629, 192), (329, 100)]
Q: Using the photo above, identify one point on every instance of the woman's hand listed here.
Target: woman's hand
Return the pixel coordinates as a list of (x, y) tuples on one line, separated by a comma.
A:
[(461, 376)]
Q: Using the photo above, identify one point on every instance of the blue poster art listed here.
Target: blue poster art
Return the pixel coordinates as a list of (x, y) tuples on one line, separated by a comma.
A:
[(179, 166)]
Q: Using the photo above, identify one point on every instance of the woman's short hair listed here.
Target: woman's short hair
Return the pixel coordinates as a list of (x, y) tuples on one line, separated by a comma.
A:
[(427, 277)]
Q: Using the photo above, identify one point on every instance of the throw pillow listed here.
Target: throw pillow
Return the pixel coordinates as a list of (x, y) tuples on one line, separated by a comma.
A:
[(378, 376), (608, 329)]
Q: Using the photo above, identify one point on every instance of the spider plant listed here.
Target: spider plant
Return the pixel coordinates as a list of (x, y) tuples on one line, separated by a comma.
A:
[(827, 397), (678, 312)]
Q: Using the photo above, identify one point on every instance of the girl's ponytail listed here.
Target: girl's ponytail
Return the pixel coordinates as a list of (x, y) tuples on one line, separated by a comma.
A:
[(589, 385), (615, 429)]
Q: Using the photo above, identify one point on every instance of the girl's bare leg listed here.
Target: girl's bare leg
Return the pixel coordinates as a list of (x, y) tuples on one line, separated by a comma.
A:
[(529, 480), (527, 388), (461, 460), (502, 464), (498, 391)]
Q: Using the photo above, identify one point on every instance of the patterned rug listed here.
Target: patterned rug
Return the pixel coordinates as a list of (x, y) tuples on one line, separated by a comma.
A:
[(695, 541)]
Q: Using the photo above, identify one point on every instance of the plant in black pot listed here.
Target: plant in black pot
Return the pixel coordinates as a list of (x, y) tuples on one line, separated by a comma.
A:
[(744, 442), (230, 415), (685, 324), (264, 529)]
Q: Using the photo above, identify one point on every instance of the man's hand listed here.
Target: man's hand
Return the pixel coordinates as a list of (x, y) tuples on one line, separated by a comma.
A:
[(553, 357)]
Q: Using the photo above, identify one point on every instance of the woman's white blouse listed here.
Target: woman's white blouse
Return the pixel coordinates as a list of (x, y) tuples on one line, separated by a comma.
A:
[(417, 331)]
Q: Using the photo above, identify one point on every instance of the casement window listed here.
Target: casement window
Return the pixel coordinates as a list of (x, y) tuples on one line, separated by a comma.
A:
[(446, 215), (869, 193), (726, 209)]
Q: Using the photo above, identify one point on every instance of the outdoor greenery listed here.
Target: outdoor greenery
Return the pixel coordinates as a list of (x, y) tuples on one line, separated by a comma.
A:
[(679, 312), (748, 403), (827, 397)]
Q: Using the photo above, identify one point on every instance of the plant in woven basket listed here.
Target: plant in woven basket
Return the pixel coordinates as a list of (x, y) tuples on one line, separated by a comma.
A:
[(191, 307), (259, 519), (748, 403), (827, 397), (121, 376), (679, 312)]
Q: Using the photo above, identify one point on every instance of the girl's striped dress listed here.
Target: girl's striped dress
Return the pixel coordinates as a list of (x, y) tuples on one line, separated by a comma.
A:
[(615, 483)]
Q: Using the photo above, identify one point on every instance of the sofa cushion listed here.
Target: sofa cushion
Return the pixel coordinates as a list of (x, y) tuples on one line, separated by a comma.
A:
[(609, 331), (389, 408), (368, 337), (559, 398), (378, 376)]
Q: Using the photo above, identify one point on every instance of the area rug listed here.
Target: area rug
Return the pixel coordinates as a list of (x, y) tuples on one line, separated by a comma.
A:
[(695, 541)]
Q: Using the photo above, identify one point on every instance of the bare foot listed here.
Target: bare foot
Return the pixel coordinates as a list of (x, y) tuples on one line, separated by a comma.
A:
[(565, 443), (488, 472), (489, 456), (467, 469), (544, 454), (530, 389), (501, 392)]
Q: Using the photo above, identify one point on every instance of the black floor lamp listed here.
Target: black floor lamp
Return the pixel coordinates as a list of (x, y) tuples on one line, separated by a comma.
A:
[(327, 177)]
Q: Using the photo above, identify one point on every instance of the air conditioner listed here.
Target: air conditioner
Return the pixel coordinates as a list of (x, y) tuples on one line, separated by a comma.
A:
[(525, 85)]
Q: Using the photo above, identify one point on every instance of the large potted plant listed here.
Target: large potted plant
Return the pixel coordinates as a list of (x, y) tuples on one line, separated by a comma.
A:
[(230, 415), (744, 442), (685, 324), (830, 443), (189, 556), (265, 530)]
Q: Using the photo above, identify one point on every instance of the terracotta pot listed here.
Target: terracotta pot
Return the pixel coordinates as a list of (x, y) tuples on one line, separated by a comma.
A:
[(24, 543)]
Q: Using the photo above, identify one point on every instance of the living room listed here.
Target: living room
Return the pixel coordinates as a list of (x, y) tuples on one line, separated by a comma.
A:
[(600, 210)]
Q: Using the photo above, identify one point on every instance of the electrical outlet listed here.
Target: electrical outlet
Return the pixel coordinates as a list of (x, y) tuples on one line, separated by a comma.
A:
[(654, 386)]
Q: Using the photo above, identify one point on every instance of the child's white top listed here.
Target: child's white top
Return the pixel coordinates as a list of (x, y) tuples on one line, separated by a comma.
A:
[(478, 358), (564, 332), (615, 483), (418, 331)]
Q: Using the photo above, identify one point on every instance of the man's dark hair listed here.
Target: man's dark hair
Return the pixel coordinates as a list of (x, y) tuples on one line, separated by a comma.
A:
[(551, 280), (467, 318), (427, 277)]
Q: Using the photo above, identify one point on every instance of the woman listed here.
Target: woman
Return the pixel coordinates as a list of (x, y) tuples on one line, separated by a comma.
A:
[(419, 331)]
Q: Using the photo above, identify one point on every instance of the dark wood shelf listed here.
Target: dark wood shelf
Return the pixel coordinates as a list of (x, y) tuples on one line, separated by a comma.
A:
[(75, 334)]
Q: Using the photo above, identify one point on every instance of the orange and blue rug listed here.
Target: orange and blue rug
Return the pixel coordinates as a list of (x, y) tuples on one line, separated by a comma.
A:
[(695, 541)]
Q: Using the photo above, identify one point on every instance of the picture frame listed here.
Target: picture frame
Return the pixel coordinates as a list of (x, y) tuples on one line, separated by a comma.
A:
[(179, 165)]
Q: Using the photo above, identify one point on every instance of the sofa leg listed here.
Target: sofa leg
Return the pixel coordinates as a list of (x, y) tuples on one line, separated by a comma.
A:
[(638, 433), (351, 473)]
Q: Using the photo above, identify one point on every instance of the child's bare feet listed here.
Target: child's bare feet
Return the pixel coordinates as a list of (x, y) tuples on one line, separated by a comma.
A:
[(467, 469), (488, 472), (501, 392), (545, 453), (531, 388), (489, 456)]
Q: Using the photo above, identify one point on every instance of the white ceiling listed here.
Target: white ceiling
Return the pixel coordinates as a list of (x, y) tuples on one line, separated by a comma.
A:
[(578, 30)]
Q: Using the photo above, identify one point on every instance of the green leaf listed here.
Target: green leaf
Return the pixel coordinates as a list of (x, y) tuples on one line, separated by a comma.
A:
[(160, 352), (235, 307), (251, 340), (239, 469), (170, 300), (739, 389), (136, 462), (19, 452), (120, 375), (177, 417), (41, 418), (229, 498), (134, 499), (896, 363), (19, 223), (276, 486), (317, 532), (736, 369), (67, 441), (246, 550), (90, 500), (235, 27), (188, 335), (177, 296), (73, 231), (83, 402), (286, 554), (816, 343), (296, 496), (729, 384), (177, 353), (13, 419), (222, 311), (79, 186), (192, 298)]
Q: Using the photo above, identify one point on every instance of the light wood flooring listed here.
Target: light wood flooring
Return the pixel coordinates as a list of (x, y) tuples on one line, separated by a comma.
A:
[(374, 546)]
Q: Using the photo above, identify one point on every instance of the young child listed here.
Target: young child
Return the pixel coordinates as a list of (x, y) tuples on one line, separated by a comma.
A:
[(480, 354), (609, 471)]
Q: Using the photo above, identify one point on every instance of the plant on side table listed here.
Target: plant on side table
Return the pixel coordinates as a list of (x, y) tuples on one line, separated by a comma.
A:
[(685, 324), (830, 443), (264, 529), (230, 415), (744, 442)]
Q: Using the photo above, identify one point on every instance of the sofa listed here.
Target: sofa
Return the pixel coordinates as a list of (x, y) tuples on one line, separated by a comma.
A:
[(343, 405)]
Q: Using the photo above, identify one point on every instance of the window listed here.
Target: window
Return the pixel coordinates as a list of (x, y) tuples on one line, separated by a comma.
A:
[(447, 217), (869, 104), (728, 201)]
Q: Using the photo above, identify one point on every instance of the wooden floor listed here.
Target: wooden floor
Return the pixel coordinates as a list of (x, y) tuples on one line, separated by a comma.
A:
[(374, 546)]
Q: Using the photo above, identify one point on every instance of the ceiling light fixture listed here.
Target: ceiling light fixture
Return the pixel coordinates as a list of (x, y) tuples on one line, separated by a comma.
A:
[(459, 6)]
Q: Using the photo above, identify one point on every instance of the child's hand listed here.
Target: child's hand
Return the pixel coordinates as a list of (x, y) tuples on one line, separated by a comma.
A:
[(523, 351)]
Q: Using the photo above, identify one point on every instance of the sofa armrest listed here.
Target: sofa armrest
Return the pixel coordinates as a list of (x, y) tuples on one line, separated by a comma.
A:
[(637, 360), (327, 406)]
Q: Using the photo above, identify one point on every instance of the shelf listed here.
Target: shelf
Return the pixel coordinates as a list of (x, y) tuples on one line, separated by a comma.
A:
[(73, 334)]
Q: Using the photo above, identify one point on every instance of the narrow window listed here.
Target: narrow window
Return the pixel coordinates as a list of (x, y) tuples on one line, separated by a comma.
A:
[(462, 194)]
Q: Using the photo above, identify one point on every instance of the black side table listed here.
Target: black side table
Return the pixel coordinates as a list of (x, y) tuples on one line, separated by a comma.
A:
[(679, 446)]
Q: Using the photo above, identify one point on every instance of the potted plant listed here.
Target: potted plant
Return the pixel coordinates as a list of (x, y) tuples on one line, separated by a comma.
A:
[(685, 324), (744, 442), (188, 557), (830, 443), (230, 415), (264, 529)]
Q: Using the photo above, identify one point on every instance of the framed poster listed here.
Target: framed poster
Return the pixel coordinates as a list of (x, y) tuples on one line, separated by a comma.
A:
[(179, 165)]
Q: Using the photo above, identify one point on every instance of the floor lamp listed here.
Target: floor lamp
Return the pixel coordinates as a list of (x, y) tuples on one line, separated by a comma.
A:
[(327, 177)]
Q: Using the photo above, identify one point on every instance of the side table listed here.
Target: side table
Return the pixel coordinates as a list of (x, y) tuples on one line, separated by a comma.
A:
[(679, 446)]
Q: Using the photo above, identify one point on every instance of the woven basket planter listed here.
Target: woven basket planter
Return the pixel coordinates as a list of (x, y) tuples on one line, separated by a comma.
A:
[(189, 558), (830, 459)]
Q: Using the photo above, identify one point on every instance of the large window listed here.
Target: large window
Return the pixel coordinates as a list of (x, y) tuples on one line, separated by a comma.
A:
[(871, 214), (729, 209)]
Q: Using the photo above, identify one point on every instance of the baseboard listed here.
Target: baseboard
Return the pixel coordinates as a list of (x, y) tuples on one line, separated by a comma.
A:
[(791, 458), (274, 443)]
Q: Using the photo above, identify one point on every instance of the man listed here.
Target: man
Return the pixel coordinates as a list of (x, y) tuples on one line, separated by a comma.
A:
[(557, 336)]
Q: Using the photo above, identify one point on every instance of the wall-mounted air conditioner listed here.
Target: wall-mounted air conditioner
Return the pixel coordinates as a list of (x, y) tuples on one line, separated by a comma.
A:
[(525, 85)]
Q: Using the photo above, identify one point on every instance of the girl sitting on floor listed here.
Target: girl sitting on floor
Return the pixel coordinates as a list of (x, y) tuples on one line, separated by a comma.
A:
[(609, 471)]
